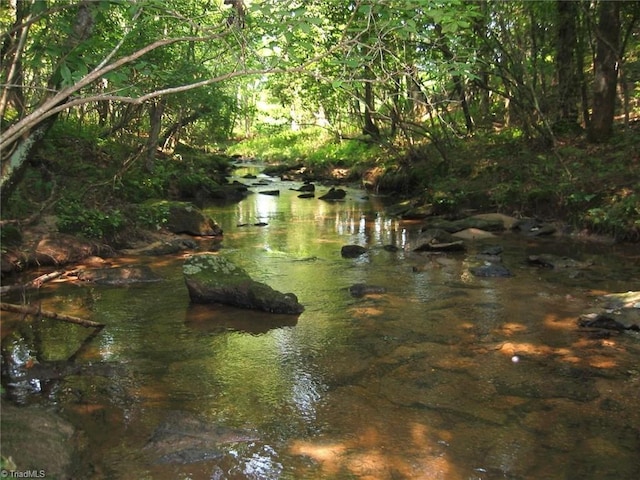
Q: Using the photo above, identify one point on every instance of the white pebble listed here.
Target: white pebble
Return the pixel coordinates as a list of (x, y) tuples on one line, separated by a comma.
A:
[(515, 359)]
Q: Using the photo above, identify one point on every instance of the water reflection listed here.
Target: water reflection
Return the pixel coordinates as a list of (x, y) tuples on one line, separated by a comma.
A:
[(418, 382)]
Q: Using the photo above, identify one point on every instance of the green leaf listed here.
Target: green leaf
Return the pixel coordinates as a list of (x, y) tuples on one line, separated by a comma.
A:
[(305, 27), (66, 74), (79, 72), (366, 9), (353, 62)]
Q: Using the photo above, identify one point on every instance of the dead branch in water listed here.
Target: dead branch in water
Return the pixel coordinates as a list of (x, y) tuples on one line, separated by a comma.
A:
[(32, 310), (35, 283)]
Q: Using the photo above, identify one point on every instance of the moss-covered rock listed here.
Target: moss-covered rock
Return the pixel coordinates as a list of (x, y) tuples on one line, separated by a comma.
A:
[(212, 278), (184, 217)]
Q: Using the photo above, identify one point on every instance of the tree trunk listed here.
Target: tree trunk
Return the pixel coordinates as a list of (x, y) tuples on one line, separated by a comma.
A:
[(14, 165), (418, 102), (11, 61), (631, 18), (582, 78), (458, 82), (369, 127), (171, 132), (485, 52), (395, 110), (566, 71), (606, 72), (156, 109)]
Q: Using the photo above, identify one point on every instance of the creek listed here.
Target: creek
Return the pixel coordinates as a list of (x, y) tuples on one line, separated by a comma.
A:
[(443, 376)]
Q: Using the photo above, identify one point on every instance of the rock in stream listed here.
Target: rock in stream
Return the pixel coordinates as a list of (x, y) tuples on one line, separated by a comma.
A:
[(184, 438)]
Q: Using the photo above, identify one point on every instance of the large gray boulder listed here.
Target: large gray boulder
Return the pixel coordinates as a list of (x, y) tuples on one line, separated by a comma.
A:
[(212, 278)]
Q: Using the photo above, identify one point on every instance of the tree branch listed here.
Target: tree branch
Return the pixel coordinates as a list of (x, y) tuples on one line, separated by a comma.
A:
[(53, 105), (36, 311)]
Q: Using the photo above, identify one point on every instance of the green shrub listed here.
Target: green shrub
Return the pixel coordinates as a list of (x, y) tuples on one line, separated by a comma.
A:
[(151, 215), (619, 216), (76, 218)]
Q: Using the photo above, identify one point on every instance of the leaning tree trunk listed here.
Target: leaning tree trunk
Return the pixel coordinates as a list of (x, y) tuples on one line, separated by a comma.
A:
[(170, 134), (606, 72)]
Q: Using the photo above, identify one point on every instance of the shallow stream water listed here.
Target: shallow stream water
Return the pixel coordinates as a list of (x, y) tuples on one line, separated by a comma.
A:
[(444, 376)]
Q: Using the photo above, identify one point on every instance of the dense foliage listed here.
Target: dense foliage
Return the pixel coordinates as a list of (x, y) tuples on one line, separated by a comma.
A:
[(406, 85)]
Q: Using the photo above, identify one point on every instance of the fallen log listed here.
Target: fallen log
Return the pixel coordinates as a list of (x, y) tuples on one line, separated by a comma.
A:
[(35, 283), (31, 310)]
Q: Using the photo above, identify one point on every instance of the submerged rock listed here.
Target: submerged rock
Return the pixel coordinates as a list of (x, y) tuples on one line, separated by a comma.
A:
[(360, 290), (182, 438), (574, 385), (492, 250), (491, 270), (546, 260), (119, 275), (212, 278)]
